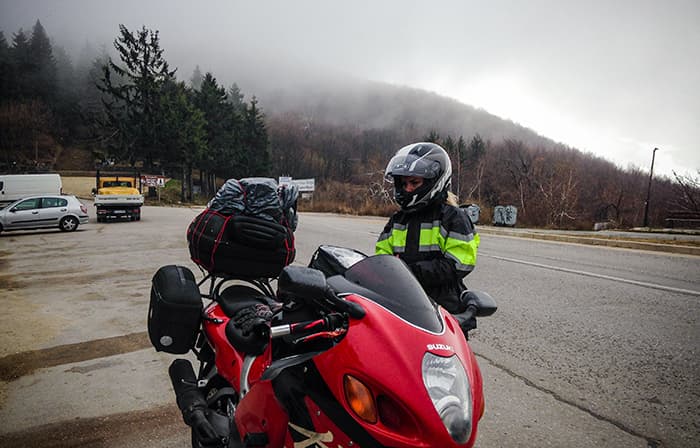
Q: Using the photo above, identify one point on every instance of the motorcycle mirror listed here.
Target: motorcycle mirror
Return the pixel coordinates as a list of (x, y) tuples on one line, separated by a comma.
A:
[(300, 282), (484, 303)]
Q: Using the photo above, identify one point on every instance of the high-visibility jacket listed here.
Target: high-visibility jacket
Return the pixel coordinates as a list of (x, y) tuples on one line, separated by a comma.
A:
[(439, 244)]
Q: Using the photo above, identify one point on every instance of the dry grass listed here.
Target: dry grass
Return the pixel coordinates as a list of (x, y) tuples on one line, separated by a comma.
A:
[(78, 186)]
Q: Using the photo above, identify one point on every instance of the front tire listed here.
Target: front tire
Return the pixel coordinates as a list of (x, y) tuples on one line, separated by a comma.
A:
[(68, 224)]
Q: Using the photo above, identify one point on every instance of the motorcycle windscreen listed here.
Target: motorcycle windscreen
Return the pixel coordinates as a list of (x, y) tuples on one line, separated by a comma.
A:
[(387, 281)]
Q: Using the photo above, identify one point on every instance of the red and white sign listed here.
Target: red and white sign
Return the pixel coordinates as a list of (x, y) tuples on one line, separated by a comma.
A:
[(153, 181)]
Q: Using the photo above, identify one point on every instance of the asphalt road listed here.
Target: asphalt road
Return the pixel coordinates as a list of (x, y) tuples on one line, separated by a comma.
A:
[(591, 346)]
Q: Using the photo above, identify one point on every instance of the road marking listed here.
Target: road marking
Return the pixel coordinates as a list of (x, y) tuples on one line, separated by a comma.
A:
[(592, 274)]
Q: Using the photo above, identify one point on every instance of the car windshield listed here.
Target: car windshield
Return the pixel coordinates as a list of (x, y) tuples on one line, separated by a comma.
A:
[(117, 183), (387, 281)]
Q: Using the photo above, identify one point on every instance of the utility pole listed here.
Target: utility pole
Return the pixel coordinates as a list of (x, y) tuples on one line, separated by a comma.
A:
[(646, 204)]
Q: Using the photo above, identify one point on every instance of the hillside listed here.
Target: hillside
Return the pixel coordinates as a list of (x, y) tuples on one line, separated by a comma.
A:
[(374, 105)]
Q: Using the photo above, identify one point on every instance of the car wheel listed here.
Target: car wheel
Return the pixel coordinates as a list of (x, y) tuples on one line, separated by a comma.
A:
[(68, 224)]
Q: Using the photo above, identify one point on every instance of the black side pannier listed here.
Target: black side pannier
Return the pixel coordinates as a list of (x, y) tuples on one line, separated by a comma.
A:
[(247, 230), (175, 310)]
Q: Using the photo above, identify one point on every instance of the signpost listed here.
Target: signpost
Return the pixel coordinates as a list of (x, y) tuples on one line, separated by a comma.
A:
[(151, 181), (306, 186)]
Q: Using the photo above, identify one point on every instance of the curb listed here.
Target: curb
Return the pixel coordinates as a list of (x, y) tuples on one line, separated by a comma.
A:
[(625, 244)]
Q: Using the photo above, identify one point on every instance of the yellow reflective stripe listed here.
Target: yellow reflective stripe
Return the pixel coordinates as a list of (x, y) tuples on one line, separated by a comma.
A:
[(460, 249), (430, 239), (392, 243), (463, 252), (383, 247), (399, 239)]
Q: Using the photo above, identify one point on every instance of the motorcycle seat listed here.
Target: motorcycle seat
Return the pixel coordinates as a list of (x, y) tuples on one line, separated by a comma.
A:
[(236, 297)]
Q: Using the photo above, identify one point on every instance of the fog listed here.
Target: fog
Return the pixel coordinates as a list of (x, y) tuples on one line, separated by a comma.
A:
[(612, 78)]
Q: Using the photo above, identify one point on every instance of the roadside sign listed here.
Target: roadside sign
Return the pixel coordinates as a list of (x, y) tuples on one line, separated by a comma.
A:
[(153, 181), (305, 185)]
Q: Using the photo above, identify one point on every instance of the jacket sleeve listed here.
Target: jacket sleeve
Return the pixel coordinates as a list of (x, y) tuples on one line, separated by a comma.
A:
[(385, 243), (459, 243)]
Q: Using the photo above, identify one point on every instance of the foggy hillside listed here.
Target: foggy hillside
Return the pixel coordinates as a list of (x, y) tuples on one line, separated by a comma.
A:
[(346, 101)]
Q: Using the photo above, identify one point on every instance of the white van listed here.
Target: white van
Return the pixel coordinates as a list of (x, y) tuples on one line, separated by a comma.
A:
[(18, 186)]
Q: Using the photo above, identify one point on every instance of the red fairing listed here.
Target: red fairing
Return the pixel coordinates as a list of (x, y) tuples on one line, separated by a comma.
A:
[(260, 412), (377, 351), (229, 362)]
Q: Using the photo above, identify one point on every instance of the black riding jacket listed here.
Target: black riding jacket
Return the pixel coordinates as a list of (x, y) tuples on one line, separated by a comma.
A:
[(439, 244)]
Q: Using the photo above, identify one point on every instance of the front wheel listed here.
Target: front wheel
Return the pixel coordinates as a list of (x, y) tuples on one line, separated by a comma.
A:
[(68, 224)]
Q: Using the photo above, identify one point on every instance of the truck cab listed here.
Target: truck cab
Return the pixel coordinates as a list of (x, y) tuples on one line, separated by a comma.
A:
[(116, 197)]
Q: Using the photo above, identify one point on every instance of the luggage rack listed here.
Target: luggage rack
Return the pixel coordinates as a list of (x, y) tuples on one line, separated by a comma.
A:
[(216, 281)]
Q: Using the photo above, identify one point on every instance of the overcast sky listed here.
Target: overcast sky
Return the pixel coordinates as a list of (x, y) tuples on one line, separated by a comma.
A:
[(615, 78)]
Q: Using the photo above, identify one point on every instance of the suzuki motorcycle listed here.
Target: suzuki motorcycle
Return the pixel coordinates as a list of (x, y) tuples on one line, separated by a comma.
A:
[(352, 354)]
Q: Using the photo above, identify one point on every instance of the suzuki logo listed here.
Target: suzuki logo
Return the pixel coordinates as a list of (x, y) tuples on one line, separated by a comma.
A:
[(446, 347)]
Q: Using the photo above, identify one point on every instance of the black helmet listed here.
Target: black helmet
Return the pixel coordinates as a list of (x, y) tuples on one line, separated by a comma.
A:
[(426, 160)]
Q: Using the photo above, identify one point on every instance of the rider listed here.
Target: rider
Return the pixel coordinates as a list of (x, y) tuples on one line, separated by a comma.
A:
[(430, 233)]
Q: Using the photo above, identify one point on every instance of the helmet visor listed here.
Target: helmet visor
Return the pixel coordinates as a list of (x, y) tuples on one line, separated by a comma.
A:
[(412, 165)]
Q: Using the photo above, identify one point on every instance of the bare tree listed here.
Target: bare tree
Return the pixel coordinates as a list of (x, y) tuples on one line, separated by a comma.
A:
[(688, 189)]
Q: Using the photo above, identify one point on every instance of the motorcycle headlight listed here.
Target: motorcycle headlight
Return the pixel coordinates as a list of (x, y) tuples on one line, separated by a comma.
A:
[(448, 386)]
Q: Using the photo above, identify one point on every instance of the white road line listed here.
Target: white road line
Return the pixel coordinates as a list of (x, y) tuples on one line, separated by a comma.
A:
[(591, 274)]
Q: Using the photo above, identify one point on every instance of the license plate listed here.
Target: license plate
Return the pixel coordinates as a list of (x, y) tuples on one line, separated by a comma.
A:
[(119, 212)]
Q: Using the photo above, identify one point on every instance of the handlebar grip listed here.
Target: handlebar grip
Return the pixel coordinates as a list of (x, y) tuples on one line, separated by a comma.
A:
[(466, 315), (353, 309)]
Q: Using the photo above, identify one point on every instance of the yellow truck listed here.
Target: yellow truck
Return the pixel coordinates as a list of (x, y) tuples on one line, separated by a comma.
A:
[(116, 197)]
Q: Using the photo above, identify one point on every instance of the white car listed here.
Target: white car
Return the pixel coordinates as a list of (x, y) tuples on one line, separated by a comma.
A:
[(44, 211)]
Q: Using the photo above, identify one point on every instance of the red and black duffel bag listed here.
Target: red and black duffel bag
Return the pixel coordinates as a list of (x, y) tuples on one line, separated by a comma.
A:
[(246, 231)]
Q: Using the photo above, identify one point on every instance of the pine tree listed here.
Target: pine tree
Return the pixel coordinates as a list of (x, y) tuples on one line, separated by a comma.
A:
[(183, 133), (196, 79), (21, 66), (42, 74), (235, 97), (476, 149), (432, 137), (5, 68), (221, 129), (255, 142), (133, 104)]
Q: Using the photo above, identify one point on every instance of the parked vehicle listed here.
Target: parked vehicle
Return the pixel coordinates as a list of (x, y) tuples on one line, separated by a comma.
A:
[(46, 211), (117, 197), (18, 186), (356, 355)]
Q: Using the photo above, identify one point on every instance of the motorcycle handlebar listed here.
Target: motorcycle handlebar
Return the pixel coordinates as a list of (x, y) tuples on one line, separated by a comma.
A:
[(327, 323), (353, 309), (466, 315)]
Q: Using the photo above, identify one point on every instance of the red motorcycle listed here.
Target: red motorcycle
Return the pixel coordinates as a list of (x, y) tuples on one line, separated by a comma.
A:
[(350, 352)]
